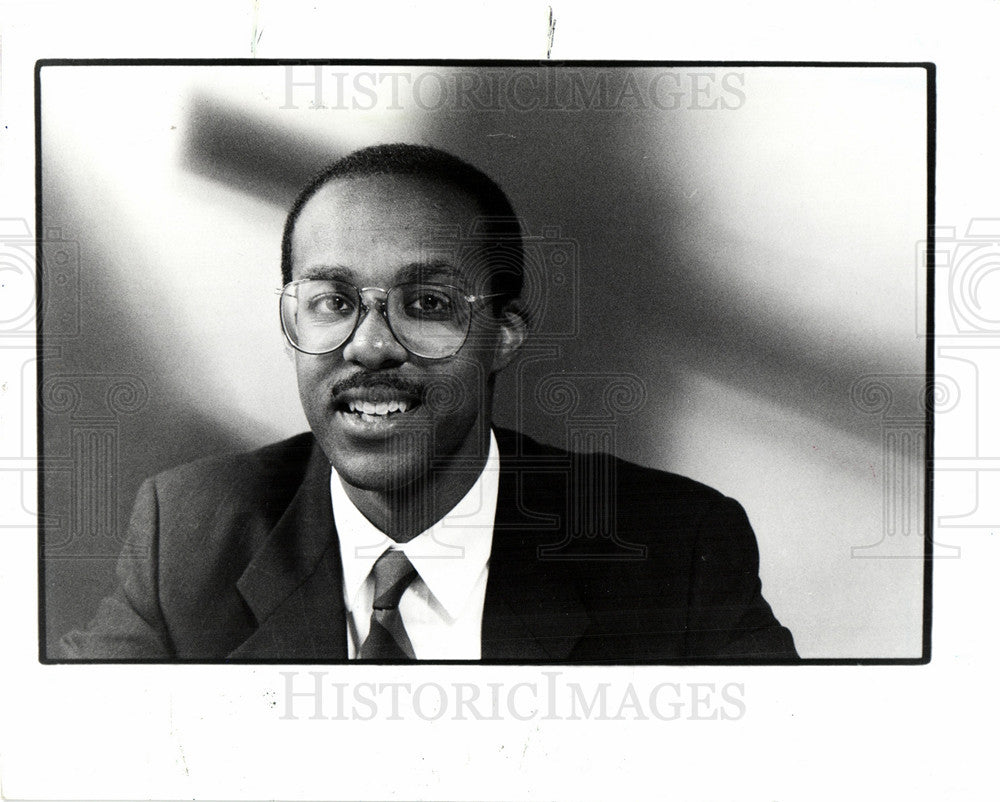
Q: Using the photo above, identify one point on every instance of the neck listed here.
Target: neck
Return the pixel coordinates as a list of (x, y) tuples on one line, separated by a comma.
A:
[(403, 513)]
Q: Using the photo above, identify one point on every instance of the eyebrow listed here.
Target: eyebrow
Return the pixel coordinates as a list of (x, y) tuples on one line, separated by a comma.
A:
[(414, 271), (436, 268), (327, 271)]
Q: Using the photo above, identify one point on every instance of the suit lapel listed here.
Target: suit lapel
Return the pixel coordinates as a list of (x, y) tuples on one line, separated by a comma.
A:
[(294, 584), (531, 612)]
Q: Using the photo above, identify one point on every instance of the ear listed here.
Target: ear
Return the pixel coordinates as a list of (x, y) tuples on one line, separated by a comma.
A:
[(513, 333)]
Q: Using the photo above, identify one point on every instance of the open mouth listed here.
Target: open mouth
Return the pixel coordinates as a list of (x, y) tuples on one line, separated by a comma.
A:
[(376, 405), (373, 412)]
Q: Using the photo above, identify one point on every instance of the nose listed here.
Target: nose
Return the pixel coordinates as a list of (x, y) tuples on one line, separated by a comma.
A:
[(373, 345)]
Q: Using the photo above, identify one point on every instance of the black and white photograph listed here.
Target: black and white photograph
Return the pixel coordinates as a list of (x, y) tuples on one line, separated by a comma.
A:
[(507, 402), (582, 363)]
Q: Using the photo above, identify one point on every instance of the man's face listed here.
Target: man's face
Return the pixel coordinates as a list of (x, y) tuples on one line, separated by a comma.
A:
[(375, 232)]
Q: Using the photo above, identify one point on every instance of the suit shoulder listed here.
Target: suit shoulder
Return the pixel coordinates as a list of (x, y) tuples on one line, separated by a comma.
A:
[(249, 472), (672, 484), (221, 508), (627, 474)]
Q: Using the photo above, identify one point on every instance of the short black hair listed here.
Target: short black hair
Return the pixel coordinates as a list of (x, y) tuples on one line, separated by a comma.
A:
[(499, 229)]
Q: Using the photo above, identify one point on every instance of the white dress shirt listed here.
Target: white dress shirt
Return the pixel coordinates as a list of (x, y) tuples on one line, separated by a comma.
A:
[(442, 609)]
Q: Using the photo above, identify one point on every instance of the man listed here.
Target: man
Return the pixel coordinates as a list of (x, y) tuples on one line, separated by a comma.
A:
[(403, 526)]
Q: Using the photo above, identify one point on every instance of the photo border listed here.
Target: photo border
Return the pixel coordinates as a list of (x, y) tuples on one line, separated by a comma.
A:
[(931, 131)]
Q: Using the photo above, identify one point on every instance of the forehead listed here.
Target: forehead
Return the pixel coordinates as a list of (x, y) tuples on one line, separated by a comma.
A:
[(373, 229)]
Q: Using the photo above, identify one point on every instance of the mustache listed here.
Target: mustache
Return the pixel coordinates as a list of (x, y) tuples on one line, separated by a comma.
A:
[(378, 381)]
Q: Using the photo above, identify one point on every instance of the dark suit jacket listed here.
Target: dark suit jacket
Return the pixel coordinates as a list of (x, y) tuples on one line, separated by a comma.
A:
[(237, 558)]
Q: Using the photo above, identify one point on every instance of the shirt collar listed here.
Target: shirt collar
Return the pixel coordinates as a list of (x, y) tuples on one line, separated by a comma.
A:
[(449, 556)]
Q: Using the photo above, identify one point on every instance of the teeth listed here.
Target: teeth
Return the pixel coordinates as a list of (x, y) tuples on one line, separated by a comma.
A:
[(381, 408)]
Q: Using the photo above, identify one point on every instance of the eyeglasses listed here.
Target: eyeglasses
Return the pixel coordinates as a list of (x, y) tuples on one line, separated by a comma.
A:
[(429, 320)]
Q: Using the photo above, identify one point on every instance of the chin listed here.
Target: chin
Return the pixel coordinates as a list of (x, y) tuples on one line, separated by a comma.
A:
[(377, 474), (386, 455)]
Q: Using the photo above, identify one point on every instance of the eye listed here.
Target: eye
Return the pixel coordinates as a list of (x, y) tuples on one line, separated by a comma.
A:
[(331, 304), (430, 303)]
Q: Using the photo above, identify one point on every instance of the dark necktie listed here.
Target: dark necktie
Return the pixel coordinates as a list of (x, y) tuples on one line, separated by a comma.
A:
[(387, 637)]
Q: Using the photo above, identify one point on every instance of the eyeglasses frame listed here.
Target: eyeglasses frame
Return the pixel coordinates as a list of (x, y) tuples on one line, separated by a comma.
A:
[(382, 305)]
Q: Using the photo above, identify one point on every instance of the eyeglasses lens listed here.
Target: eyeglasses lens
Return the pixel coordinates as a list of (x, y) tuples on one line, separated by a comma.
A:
[(429, 320)]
